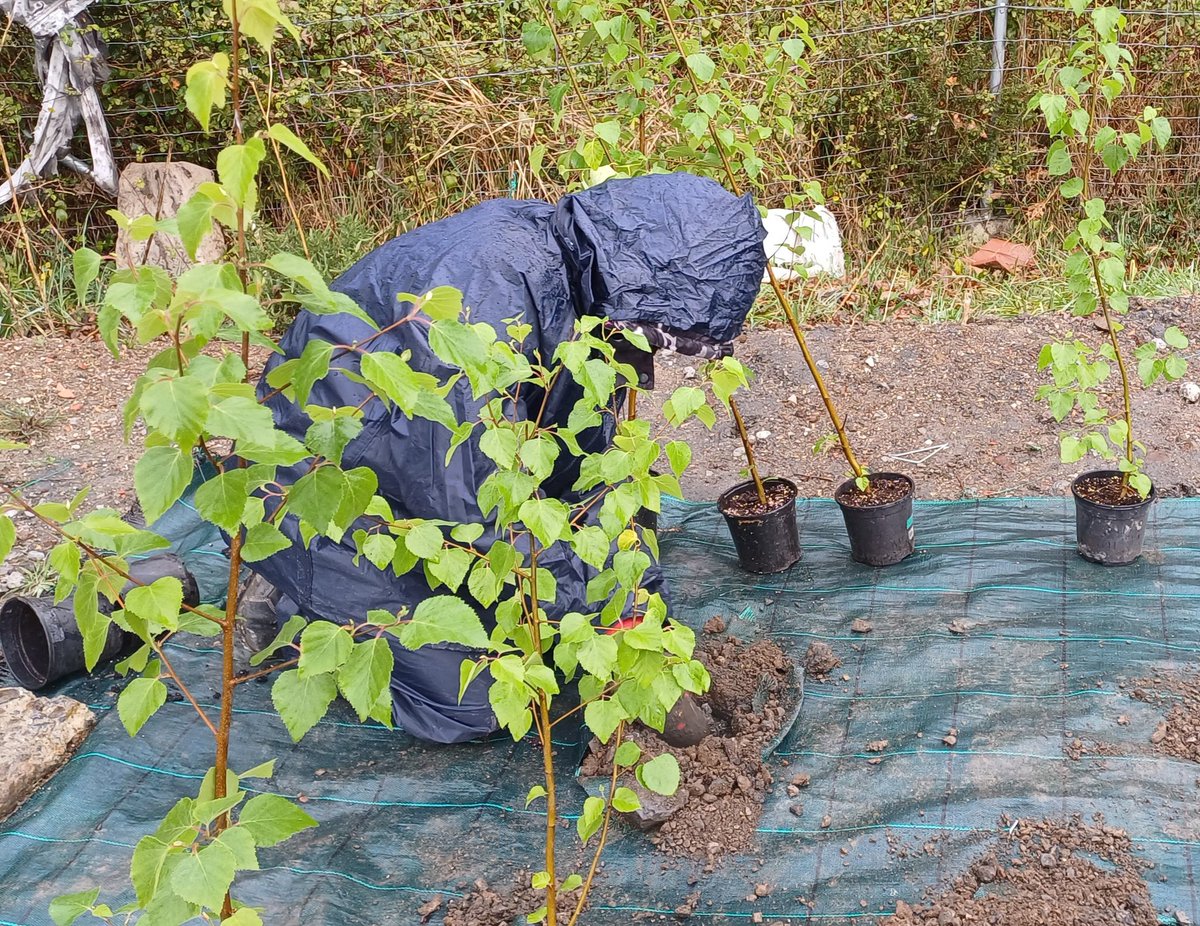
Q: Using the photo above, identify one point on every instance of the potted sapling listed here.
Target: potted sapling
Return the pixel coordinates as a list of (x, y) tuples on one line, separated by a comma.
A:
[(1111, 504), (878, 511), (761, 513)]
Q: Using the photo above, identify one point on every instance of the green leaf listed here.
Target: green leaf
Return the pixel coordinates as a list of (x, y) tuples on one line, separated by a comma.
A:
[(536, 37), (206, 84), (177, 406), (500, 444), (287, 634), (302, 701), (270, 819), (425, 540), (160, 478), (289, 139), (534, 793), (324, 646), (702, 66), (625, 801), (261, 541), (365, 677), (609, 132), (546, 518), (159, 603), (572, 882), (443, 619), (204, 877), (598, 655), (1175, 338), (660, 774), (441, 303), (237, 168), (627, 754), (139, 701), (1071, 188), (222, 499), (679, 455), (8, 536), (1160, 128), (1058, 159), (589, 821), (86, 266), (315, 497), (259, 19), (603, 717), (68, 908)]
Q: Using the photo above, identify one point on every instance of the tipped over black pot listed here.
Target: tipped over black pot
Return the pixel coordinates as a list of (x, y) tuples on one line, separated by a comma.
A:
[(1109, 534), (41, 640), (766, 537), (881, 533)]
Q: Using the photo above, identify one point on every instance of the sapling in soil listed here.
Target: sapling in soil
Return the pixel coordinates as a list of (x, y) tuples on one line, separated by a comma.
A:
[(1111, 504)]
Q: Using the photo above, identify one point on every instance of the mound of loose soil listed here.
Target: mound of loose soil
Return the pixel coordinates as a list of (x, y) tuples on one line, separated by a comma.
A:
[(484, 905), (1043, 872), (1178, 734), (723, 781)]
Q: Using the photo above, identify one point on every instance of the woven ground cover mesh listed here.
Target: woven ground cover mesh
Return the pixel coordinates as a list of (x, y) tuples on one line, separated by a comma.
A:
[(1048, 641)]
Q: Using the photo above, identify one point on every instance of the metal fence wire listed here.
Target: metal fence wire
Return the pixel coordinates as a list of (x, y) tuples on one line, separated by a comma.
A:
[(913, 114)]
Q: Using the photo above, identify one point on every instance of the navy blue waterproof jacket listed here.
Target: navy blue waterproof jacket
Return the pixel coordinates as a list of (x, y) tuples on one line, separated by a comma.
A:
[(672, 249)]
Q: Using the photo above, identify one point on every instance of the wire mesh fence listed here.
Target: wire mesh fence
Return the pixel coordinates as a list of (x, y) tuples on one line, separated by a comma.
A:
[(424, 108)]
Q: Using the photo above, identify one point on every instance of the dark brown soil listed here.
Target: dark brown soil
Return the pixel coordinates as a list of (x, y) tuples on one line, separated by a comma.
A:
[(1107, 490), (820, 660), (484, 905), (1177, 734), (723, 780), (1044, 873), (880, 491), (746, 504)]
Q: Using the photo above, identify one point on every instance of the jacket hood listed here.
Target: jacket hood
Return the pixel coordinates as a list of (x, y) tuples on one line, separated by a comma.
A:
[(676, 250)]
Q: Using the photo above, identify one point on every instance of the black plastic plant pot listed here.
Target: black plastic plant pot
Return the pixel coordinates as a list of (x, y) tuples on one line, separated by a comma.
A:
[(767, 541), (41, 641), (880, 534), (1111, 535)]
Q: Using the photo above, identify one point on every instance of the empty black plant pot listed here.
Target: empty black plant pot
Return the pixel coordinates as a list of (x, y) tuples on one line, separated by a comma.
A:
[(1109, 534), (41, 640), (881, 533), (766, 538)]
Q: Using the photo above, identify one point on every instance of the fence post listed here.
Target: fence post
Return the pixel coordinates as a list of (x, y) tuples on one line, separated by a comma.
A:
[(999, 33)]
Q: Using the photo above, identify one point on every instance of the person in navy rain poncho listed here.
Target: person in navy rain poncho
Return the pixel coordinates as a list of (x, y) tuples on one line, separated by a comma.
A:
[(674, 255)]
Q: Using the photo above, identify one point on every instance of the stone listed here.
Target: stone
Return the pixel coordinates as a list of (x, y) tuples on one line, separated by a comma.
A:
[(37, 735), (1190, 392), (158, 190)]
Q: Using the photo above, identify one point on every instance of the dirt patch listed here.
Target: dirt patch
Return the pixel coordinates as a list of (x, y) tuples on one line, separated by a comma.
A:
[(956, 399), (723, 780), (484, 905), (1177, 734), (880, 491), (820, 660), (746, 504), (1069, 873), (1107, 490)]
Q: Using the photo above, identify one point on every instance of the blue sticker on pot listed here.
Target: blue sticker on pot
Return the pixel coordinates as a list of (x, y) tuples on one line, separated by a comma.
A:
[(908, 523)]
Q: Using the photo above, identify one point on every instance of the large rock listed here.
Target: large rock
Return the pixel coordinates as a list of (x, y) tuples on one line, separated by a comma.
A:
[(159, 190), (37, 735)]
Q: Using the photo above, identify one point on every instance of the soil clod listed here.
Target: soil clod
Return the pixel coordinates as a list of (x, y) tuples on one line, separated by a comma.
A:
[(858, 625), (820, 660)]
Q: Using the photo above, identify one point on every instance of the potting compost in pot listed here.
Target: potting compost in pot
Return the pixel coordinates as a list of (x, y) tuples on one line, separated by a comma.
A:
[(994, 676)]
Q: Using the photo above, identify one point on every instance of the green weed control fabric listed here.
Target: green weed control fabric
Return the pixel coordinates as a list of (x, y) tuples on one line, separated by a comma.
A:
[(1048, 639)]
